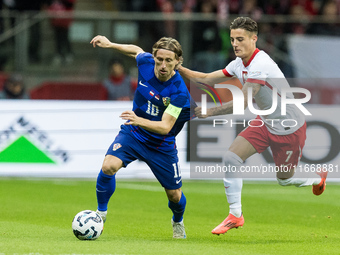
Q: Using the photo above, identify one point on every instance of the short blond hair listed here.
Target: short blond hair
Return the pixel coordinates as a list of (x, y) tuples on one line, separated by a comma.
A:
[(168, 43)]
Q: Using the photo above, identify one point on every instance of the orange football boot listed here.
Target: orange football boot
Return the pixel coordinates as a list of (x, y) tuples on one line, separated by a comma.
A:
[(230, 222), (320, 188)]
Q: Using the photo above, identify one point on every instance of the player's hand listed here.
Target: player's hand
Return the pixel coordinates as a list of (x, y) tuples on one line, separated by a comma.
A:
[(131, 116), (179, 65), (101, 41), (198, 113)]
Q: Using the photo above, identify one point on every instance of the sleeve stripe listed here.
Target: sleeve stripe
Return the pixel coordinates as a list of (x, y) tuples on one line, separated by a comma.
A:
[(262, 82), (226, 73), (174, 111)]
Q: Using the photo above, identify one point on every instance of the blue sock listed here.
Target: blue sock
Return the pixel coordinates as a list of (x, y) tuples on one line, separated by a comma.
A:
[(178, 208), (106, 185)]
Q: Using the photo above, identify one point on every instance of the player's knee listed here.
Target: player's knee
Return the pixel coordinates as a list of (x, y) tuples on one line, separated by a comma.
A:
[(109, 170), (230, 158), (285, 174), (174, 195), (111, 166), (284, 182)]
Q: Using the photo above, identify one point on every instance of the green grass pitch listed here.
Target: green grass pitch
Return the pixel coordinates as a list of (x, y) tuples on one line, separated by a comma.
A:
[(36, 216)]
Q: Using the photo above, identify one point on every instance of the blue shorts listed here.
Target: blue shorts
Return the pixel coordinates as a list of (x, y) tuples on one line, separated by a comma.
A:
[(164, 165)]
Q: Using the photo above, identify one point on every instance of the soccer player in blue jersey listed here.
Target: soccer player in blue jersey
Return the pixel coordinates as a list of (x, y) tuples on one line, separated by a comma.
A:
[(161, 106)]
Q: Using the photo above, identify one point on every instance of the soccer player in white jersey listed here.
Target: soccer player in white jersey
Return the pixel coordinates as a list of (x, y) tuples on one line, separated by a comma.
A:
[(256, 70)]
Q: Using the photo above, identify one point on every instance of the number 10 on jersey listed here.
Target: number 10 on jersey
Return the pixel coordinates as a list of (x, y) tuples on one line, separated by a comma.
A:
[(152, 109)]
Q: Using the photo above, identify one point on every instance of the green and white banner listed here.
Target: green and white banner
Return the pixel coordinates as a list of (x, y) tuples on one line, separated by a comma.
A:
[(63, 138)]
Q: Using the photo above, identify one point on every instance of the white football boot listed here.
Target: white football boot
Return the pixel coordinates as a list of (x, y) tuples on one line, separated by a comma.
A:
[(102, 214), (179, 229)]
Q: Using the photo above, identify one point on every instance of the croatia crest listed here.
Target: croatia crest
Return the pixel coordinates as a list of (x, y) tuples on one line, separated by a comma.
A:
[(166, 101), (116, 146)]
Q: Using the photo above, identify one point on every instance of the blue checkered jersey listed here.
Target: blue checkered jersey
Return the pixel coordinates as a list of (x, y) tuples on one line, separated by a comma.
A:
[(152, 98)]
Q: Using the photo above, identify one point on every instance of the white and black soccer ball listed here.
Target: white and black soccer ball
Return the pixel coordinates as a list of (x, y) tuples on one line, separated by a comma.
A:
[(87, 225)]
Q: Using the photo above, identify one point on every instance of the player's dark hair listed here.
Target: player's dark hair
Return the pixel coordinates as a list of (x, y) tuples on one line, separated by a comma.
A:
[(168, 43), (245, 23)]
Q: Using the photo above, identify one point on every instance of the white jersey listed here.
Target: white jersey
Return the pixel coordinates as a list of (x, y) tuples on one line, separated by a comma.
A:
[(263, 70)]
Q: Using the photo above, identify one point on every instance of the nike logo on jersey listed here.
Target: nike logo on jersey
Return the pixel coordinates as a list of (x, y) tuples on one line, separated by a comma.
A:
[(100, 190), (140, 83), (178, 181)]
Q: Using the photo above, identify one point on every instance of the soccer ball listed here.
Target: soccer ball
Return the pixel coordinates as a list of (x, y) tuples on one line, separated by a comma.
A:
[(87, 225)]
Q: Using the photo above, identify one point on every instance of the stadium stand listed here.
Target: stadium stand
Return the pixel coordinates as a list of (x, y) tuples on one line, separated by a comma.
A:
[(330, 96), (3, 78), (69, 91)]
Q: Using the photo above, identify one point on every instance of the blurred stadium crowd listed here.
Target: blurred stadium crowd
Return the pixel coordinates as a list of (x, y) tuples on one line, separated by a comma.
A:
[(210, 45), (329, 9)]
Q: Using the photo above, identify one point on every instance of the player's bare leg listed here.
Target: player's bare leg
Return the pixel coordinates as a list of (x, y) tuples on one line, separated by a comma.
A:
[(239, 151), (106, 183), (111, 165), (242, 148), (177, 203)]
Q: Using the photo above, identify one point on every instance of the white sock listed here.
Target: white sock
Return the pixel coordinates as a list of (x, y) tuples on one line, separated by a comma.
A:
[(299, 182), (232, 185), (233, 188)]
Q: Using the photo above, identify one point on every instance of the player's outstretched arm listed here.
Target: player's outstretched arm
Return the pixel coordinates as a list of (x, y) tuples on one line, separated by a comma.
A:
[(227, 108), (162, 127), (224, 109), (190, 74), (130, 50)]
